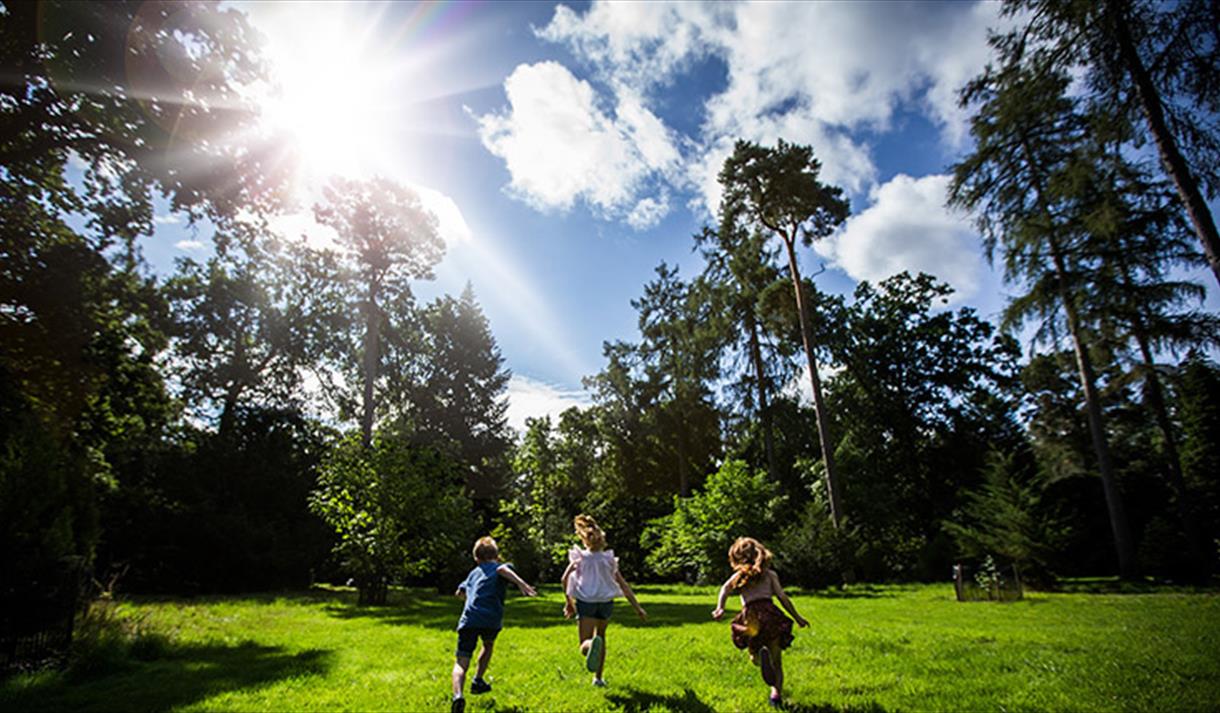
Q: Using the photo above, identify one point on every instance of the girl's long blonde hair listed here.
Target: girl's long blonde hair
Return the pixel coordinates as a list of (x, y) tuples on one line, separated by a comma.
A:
[(750, 560), (590, 534)]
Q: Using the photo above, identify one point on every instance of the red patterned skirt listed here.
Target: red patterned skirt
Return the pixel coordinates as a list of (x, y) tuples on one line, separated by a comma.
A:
[(761, 623)]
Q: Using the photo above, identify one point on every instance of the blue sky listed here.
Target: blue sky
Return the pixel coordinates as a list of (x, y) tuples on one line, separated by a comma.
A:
[(569, 148)]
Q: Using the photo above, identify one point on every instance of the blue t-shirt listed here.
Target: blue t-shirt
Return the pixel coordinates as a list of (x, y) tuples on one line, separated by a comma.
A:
[(485, 591)]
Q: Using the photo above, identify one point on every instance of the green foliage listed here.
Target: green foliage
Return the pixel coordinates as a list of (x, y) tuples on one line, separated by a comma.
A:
[(1198, 390), (694, 541), (386, 239), (1005, 518), (924, 392), (811, 552), (222, 513), (244, 328), (457, 391), (398, 510)]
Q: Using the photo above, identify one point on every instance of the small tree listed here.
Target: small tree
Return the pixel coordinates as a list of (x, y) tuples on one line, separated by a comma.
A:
[(1004, 519), (695, 539), (398, 510)]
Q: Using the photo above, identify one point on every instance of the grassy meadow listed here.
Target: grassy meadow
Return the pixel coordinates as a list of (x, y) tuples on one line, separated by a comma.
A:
[(892, 648)]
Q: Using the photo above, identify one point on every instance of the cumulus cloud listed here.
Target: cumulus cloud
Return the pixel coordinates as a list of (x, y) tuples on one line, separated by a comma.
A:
[(167, 219), (450, 223), (643, 43), (530, 398), (812, 73), (647, 213), (560, 146), (908, 227), (189, 245)]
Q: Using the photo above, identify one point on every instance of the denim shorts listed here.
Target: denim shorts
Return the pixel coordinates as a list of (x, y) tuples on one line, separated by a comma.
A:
[(469, 636), (594, 610)]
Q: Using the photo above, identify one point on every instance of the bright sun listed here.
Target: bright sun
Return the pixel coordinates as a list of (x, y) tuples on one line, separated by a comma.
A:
[(334, 93)]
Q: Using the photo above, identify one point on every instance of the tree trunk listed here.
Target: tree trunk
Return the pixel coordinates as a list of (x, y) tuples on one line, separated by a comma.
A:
[(819, 405), (1172, 159), (228, 410), (763, 407), (372, 591), (1155, 397), (683, 466), (372, 323), (1114, 503)]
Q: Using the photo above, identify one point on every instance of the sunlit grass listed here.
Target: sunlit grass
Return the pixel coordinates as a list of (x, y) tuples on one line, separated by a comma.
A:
[(870, 648)]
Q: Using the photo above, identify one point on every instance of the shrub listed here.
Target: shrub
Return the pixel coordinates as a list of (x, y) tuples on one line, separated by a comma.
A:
[(811, 552), (399, 510), (108, 640), (693, 542)]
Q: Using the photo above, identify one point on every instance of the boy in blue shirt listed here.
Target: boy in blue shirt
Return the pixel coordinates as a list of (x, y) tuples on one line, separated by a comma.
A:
[(483, 615)]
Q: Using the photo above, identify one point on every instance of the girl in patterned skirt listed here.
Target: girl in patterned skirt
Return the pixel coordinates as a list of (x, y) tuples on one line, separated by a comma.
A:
[(760, 626)]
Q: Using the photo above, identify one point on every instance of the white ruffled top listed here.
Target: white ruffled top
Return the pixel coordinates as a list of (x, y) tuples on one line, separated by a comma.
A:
[(592, 580)]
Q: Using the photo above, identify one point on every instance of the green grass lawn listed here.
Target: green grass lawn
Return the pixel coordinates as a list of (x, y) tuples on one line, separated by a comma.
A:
[(869, 649)]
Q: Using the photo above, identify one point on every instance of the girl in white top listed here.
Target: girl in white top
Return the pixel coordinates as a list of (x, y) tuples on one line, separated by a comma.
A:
[(590, 584)]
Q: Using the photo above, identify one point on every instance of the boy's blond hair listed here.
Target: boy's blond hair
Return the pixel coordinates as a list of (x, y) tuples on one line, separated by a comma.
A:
[(486, 549)]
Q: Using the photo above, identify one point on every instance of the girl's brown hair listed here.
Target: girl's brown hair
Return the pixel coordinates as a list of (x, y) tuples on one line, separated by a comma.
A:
[(590, 534), (749, 560)]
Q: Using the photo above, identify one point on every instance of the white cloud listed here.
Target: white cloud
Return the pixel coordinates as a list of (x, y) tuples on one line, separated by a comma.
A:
[(908, 227), (811, 73), (189, 245), (644, 42), (529, 398), (647, 213), (560, 147), (167, 219), (450, 222)]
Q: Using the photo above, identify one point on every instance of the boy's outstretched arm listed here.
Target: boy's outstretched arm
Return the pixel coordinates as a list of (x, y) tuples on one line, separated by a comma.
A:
[(622, 583), (508, 573), (782, 596), (724, 594), (569, 605)]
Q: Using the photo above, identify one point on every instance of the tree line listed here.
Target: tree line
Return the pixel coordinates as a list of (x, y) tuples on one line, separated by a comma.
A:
[(287, 411)]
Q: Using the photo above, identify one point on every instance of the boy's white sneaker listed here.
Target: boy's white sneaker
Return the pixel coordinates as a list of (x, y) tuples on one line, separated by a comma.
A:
[(599, 682)]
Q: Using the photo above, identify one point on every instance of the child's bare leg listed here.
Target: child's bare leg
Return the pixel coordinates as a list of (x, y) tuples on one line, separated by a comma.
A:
[(460, 664), (484, 659), (585, 629), (777, 662), (600, 625)]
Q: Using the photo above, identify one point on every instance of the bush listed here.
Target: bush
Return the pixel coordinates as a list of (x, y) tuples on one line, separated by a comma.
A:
[(398, 509), (1165, 552), (107, 640), (694, 541), (811, 552)]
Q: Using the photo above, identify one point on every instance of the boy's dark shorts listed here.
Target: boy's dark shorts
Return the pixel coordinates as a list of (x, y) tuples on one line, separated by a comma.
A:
[(469, 636), (594, 610)]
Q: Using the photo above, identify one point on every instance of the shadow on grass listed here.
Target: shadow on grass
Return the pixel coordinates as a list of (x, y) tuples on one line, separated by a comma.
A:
[(182, 675), (437, 611), (637, 701)]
